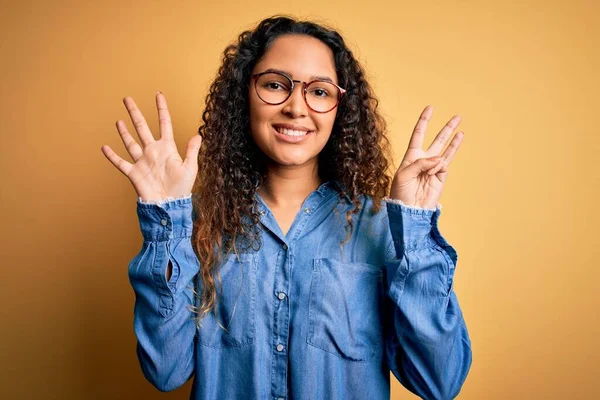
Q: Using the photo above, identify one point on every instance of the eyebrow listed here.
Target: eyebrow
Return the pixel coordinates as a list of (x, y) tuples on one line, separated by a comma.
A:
[(312, 78)]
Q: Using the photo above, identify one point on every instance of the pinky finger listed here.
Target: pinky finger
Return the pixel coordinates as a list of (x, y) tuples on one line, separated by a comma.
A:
[(122, 165), (436, 168)]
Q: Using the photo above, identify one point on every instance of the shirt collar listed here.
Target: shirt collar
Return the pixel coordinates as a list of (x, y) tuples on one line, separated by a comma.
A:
[(341, 188), (325, 189)]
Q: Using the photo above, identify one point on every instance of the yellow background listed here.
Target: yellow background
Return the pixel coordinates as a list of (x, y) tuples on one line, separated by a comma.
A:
[(520, 203)]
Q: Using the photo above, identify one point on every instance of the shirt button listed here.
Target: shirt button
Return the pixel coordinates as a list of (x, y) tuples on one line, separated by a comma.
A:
[(163, 222), (285, 246), (307, 210), (279, 347), (281, 295)]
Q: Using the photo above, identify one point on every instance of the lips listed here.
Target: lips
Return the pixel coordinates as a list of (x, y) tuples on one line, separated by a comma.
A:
[(290, 132), (291, 138), (292, 127)]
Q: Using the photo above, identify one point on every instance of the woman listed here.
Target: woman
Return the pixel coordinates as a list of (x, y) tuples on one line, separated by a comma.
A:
[(273, 264)]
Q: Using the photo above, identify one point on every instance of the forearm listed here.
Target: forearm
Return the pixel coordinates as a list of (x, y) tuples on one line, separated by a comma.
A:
[(163, 320), (428, 349)]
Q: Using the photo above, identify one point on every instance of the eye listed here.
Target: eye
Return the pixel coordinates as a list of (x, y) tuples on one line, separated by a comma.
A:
[(319, 92), (274, 86)]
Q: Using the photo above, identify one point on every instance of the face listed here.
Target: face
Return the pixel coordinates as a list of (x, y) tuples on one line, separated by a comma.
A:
[(302, 58)]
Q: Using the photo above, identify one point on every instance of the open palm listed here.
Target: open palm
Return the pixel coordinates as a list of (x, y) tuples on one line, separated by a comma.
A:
[(421, 175), (158, 171)]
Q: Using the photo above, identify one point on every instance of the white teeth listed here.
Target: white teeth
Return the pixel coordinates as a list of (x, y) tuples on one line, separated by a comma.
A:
[(290, 132)]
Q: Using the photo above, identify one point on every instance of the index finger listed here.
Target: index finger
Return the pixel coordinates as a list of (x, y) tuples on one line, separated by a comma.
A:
[(416, 140)]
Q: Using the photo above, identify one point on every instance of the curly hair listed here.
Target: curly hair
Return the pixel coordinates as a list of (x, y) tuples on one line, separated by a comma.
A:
[(231, 166)]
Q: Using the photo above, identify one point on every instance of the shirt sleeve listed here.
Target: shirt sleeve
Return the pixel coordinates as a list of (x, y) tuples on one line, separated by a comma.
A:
[(427, 345), (163, 319)]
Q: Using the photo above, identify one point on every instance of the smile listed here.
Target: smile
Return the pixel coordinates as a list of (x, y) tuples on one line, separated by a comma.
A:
[(290, 132), (291, 135)]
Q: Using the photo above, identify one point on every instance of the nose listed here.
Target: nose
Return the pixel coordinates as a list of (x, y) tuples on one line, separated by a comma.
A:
[(295, 106)]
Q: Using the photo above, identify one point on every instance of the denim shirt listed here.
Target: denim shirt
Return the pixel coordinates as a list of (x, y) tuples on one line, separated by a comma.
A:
[(305, 320)]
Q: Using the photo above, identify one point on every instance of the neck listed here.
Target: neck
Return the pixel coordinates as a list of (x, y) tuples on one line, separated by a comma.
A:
[(289, 186)]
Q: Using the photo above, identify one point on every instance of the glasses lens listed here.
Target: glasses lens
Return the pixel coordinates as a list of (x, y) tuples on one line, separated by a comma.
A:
[(273, 88), (322, 96)]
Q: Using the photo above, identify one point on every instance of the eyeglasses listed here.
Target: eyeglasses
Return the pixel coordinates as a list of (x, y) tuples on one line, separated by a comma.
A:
[(319, 95)]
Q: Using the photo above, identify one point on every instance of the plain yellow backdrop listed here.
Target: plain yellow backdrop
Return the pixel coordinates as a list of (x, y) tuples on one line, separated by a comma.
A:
[(520, 203)]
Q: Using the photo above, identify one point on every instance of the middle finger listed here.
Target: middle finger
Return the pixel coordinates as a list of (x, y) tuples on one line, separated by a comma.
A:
[(442, 138), (139, 122), (164, 117)]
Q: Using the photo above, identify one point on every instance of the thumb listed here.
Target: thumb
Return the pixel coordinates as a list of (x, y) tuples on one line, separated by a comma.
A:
[(191, 153), (422, 164)]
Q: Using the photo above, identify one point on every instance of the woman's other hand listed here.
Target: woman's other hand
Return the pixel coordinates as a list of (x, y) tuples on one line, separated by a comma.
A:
[(421, 175), (158, 171)]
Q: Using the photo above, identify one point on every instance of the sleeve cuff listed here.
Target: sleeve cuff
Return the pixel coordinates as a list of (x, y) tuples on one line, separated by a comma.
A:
[(163, 201), (166, 219), (414, 228)]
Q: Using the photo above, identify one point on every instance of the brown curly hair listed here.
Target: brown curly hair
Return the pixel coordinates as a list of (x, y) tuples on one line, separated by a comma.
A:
[(231, 166)]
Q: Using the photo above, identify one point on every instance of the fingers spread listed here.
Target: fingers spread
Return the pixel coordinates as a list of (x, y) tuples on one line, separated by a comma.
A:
[(442, 166), (442, 137)]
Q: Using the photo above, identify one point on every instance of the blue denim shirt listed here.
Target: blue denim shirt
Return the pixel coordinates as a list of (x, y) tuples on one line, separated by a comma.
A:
[(305, 321)]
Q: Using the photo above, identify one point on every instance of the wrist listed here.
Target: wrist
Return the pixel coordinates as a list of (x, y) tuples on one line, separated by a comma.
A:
[(413, 206)]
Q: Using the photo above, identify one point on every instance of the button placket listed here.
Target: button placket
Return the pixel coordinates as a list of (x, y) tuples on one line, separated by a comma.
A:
[(281, 324)]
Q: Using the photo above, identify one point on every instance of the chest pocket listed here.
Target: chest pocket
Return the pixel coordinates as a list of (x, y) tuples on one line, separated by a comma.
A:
[(345, 304), (235, 306)]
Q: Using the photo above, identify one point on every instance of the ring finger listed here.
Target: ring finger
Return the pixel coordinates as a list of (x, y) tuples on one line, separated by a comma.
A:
[(448, 154), (451, 149)]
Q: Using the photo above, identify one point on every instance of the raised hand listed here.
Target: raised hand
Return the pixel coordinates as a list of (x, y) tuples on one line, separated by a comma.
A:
[(158, 171), (421, 175)]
